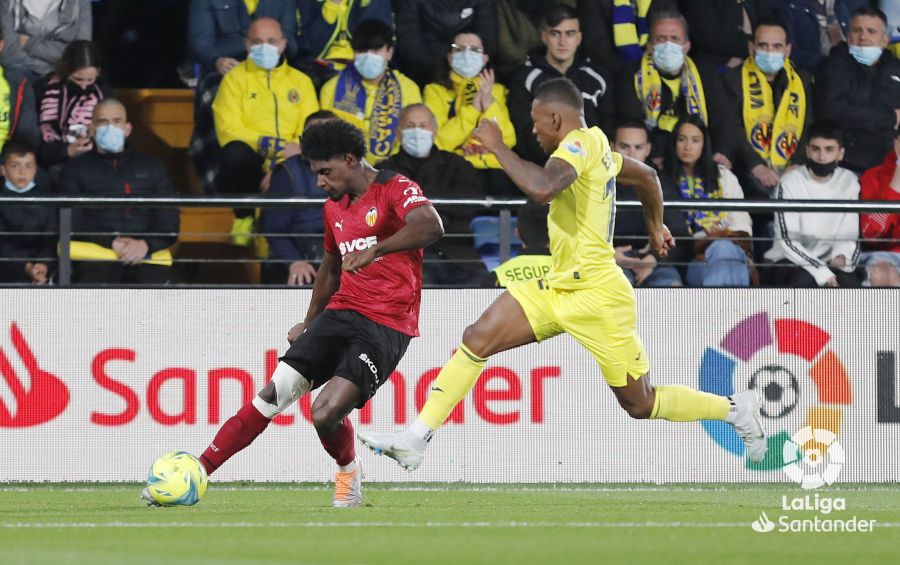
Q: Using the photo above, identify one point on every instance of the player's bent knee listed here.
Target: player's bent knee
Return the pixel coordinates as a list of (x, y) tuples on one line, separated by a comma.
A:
[(477, 340), (286, 386), (326, 417)]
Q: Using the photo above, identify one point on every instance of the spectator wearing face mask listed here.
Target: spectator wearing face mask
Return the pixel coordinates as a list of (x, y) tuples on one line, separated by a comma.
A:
[(859, 87), (452, 261), (465, 94), (817, 249), (259, 112), (25, 258), (775, 108), (670, 86), (119, 245), (368, 93), (68, 102)]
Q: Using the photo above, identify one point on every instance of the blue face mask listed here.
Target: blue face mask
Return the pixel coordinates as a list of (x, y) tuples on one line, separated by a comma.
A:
[(769, 62), (265, 56), (110, 139), (15, 188), (417, 142), (668, 56), (866, 55), (467, 63), (369, 65)]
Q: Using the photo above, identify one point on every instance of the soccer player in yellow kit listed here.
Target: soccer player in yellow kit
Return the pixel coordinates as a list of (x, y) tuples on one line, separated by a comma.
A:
[(585, 295)]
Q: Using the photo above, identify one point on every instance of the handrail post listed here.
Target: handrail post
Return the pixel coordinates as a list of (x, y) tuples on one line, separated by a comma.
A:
[(65, 239), (505, 235)]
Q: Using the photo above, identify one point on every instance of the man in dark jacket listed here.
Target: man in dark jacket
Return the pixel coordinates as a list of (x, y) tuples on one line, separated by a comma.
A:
[(561, 35), (112, 169), (774, 107), (859, 87), (721, 29), (25, 258), (641, 267), (294, 234), (670, 86), (18, 111), (425, 28), (452, 261), (217, 30)]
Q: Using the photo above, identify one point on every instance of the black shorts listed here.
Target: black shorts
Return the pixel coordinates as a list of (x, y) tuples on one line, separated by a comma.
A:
[(347, 344)]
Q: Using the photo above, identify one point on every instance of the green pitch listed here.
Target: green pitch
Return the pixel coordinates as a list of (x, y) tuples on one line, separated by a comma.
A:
[(440, 523)]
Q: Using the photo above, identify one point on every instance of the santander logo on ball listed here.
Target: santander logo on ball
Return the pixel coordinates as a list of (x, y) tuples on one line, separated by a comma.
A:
[(45, 398)]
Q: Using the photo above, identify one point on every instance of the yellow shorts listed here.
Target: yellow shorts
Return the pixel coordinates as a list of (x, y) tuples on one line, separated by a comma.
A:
[(602, 319)]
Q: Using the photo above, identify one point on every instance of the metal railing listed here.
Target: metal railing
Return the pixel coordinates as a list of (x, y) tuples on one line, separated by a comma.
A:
[(503, 208)]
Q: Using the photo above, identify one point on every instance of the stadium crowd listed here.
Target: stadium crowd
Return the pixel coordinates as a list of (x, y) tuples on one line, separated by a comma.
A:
[(730, 99)]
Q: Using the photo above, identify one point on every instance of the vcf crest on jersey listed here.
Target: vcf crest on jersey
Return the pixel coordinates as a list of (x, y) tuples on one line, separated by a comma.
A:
[(371, 216)]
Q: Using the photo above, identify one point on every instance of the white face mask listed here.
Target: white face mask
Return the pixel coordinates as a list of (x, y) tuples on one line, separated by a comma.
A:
[(417, 142), (467, 63), (866, 55), (668, 56), (18, 190), (369, 65)]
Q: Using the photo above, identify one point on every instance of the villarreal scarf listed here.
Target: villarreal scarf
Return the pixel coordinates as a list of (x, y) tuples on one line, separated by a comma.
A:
[(773, 133), (648, 85), (350, 105), (691, 188), (465, 89), (7, 112), (630, 30)]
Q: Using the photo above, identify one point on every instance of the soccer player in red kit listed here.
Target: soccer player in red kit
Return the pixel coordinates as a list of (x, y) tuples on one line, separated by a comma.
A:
[(364, 307)]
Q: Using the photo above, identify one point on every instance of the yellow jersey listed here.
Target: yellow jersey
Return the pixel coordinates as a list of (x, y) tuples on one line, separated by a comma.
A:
[(582, 216)]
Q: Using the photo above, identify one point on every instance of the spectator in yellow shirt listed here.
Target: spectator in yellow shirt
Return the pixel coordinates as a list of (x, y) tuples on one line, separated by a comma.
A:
[(369, 94), (259, 113), (464, 93)]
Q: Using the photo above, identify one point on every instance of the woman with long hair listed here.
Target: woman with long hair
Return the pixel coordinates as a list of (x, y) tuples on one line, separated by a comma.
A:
[(721, 239), (68, 102)]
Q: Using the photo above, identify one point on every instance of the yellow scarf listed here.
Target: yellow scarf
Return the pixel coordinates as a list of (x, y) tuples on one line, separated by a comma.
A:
[(648, 85), (251, 6), (630, 31), (6, 109), (759, 109)]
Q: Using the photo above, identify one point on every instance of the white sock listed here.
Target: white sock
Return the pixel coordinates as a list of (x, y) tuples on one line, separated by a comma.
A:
[(349, 467), (420, 431)]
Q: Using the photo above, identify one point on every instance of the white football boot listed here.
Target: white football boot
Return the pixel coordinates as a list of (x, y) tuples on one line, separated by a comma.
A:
[(147, 499), (744, 416), (402, 447)]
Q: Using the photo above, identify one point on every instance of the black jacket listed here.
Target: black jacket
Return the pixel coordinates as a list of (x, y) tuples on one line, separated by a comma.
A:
[(718, 107), (597, 89), (716, 28), (23, 115), (444, 175), (631, 229), (745, 154), (426, 28), (863, 100), (27, 219), (120, 174)]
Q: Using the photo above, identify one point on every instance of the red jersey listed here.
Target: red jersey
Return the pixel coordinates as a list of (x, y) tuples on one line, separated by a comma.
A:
[(387, 291)]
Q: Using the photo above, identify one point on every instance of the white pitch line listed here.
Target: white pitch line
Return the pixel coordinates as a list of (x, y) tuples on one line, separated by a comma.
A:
[(424, 488), (592, 525)]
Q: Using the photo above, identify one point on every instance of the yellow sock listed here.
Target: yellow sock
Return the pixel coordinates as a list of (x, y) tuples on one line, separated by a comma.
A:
[(454, 381), (678, 403)]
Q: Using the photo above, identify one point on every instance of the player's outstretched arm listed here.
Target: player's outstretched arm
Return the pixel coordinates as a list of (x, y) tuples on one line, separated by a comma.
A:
[(423, 227), (540, 184), (646, 183)]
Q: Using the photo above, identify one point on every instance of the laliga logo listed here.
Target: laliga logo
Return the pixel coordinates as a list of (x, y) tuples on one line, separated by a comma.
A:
[(779, 359), (813, 457), (45, 400)]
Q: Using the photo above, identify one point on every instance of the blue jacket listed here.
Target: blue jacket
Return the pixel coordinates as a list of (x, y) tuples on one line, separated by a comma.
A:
[(294, 179), (217, 28), (316, 35), (803, 27)]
